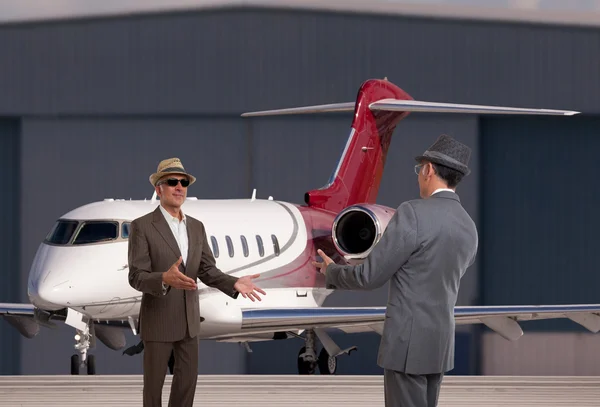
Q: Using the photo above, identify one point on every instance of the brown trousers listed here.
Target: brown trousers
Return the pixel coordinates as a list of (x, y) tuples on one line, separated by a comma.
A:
[(185, 375)]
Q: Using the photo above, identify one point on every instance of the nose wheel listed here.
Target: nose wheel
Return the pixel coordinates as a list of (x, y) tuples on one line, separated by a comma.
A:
[(89, 363), (83, 360)]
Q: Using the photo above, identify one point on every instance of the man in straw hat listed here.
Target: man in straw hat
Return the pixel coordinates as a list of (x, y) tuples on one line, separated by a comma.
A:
[(168, 250), (425, 250)]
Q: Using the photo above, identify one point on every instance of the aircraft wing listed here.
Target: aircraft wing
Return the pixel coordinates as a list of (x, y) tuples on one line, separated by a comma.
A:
[(16, 309), (22, 317), (28, 319), (504, 320)]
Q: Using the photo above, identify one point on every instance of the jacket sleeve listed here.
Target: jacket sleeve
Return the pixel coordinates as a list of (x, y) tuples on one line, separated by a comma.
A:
[(394, 248), (210, 274), (141, 276)]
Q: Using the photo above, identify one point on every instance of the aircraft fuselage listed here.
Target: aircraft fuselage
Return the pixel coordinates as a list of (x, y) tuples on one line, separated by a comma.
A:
[(83, 265)]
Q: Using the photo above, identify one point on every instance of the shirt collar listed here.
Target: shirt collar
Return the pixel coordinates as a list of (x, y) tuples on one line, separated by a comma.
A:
[(170, 217), (442, 189)]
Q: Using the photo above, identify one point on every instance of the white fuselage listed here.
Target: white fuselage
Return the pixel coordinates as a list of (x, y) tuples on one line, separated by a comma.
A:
[(92, 277)]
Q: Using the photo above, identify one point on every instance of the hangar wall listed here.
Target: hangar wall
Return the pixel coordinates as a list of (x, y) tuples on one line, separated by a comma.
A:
[(540, 220), (10, 148), (104, 100)]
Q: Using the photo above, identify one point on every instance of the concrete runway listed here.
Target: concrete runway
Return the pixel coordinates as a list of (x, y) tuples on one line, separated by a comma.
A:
[(304, 391)]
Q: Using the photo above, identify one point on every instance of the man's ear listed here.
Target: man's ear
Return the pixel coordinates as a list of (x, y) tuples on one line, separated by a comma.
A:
[(426, 169), (430, 169)]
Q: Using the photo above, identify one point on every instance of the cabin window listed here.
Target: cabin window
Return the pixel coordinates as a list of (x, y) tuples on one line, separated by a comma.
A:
[(244, 246), (125, 230), (261, 248), (62, 232), (275, 245), (215, 246), (97, 231), (229, 246)]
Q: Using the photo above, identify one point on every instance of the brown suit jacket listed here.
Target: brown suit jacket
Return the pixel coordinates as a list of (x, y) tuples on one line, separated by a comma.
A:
[(152, 250)]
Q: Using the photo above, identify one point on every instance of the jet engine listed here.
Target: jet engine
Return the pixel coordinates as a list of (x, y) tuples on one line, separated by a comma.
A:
[(358, 228)]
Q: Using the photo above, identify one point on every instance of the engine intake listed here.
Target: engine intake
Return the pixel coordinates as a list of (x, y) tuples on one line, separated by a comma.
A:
[(358, 228)]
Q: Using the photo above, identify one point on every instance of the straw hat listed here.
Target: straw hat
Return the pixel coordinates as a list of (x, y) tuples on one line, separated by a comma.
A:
[(170, 166)]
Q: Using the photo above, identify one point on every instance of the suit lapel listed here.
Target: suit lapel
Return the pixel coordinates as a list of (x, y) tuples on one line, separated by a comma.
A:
[(160, 223), (192, 243)]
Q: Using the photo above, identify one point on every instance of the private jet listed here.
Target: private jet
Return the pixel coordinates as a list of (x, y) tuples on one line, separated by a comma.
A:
[(277, 239)]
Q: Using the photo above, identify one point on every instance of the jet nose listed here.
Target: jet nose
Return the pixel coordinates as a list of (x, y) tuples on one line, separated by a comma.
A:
[(49, 294), (53, 294), (46, 287)]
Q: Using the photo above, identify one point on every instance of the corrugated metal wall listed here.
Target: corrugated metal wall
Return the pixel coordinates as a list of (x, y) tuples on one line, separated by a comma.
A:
[(540, 212), (10, 340), (105, 100), (195, 62), (540, 222)]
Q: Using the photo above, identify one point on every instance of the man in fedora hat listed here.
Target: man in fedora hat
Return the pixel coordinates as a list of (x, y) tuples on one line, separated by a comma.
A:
[(425, 250), (167, 251)]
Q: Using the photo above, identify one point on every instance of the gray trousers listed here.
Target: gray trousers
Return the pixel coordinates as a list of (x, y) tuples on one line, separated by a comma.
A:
[(406, 390)]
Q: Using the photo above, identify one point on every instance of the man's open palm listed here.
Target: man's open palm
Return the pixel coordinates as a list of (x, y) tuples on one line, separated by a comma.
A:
[(177, 279), (322, 266), (246, 287)]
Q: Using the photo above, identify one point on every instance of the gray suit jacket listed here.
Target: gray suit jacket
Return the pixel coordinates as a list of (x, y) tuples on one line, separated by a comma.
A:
[(424, 251), (167, 316)]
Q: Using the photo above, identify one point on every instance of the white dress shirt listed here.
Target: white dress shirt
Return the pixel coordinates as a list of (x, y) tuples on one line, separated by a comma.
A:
[(179, 230)]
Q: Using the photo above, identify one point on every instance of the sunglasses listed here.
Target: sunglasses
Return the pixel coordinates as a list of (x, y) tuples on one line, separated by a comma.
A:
[(172, 182)]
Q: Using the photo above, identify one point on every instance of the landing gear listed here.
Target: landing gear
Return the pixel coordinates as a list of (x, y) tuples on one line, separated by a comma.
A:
[(306, 363), (307, 357), (84, 340), (90, 363), (326, 362)]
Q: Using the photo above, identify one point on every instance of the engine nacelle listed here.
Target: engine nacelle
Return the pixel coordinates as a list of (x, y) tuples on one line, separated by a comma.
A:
[(358, 228)]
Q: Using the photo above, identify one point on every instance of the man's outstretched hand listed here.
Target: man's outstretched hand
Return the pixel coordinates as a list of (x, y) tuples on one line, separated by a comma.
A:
[(246, 287), (177, 279), (322, 266)]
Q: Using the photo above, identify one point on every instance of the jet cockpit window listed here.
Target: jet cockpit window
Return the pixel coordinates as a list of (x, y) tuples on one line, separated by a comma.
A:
[(97, 231), (62, 232)]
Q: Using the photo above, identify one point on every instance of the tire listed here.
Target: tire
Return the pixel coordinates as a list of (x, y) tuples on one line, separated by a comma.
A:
[(91, 365), (305, 367), (327, 364), (75, 364)]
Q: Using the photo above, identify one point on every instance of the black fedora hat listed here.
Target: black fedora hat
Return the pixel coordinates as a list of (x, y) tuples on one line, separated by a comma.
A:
[(448, 152)]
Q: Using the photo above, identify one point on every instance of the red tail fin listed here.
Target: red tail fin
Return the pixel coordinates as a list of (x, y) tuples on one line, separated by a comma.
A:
[(358, 174)]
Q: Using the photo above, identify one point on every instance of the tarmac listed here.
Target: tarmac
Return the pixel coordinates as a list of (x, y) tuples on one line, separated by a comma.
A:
[(304, 391)]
